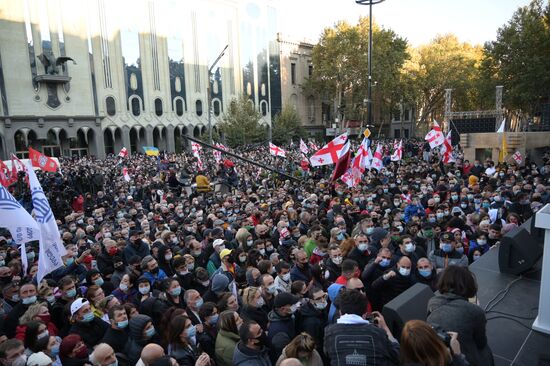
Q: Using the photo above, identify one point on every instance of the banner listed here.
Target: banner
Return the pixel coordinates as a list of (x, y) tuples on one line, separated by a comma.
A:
[(42, 161), (51, 247)]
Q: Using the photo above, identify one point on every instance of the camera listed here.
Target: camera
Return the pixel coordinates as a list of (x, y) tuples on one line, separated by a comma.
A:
[(443, 335), (372, 318)]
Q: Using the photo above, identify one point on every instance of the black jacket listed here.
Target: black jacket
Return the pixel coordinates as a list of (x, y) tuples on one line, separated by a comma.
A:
[(253, 313), (91, 332), (12, 319), (312, 321), (359, 344), (280, 332), (393, 287), (362, 258), (116, 338)]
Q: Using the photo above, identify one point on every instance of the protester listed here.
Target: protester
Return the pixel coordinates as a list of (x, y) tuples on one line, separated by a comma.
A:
[(161, 271)]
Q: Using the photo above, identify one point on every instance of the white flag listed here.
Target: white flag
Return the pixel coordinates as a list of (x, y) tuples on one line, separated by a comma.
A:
[(19, 222), (502, 125), (51, 247), (303, 147), (435, 137)]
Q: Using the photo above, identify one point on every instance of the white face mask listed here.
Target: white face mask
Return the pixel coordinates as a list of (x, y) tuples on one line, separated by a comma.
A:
[(337, 260), (286, 277)]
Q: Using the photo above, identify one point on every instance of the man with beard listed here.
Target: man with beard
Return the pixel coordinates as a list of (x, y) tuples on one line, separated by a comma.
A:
[(333, 264), (301, 271)]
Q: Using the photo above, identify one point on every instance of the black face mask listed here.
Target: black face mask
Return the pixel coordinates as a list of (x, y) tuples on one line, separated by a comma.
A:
[(262, 340), (155, 270), (6, 279)]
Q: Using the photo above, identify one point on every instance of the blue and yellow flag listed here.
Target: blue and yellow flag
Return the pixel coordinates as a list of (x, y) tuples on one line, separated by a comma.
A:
[(151, 151)]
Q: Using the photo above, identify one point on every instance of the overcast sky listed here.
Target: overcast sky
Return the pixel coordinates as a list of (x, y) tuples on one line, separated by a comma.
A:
[(419, 21)]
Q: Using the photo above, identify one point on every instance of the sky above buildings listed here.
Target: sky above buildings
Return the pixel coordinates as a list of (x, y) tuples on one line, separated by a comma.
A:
[(419, 21)]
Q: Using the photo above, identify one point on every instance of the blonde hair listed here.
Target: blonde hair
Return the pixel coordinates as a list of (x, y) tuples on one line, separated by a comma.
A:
[(31, 312), (420, 344), (249, 294)]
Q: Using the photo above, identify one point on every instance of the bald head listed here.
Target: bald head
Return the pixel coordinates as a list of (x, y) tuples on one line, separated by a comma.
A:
[(404, 262), (355, 283), (103, 355), (151, 353)]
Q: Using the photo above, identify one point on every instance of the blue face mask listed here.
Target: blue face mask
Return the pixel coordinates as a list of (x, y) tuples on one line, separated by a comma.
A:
[(214, 319), (340, 236), (460, 250), (99, 281), (425, 272), (71, 293), (150, 332), (384, 262), (476, 257), (29, 300), (199, 303), (191, 332), (70, 261), (446, 247), (176, 291), (88, 317), (123, 324), (55, 350)]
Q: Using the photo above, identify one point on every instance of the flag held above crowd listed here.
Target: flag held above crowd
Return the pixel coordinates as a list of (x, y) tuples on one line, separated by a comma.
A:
[(123, 152), (276, 150), (151, 151), (42, 161), (331, 152), (435, 137)]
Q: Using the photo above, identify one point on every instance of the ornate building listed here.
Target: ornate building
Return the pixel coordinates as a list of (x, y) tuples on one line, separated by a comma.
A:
[(140, 72)]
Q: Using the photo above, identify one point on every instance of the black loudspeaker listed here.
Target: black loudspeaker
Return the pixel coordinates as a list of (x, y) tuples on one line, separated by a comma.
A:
[(518, 252), (411, 304)]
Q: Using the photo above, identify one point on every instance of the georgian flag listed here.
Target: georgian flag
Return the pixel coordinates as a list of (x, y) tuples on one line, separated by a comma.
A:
[(377, 158), (303, 147), (195, 148), (447, 155), (397, 152), (50, 245), (313, 145), (276, 150), (123, 152), (331, 152), (517, 157), (125, 174), (435, 137)]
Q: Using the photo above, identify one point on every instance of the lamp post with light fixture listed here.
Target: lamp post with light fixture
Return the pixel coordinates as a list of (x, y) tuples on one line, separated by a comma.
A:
[(370, 3)]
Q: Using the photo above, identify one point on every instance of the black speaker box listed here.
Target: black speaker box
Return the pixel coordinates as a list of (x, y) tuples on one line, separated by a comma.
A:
[(411, 304), (518, 252)]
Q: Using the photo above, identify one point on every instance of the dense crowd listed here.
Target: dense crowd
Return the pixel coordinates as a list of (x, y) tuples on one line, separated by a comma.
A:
[(238, 265)]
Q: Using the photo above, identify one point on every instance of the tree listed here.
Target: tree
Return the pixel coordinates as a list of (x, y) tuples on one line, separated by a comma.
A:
[(286, 125), (443, 63), (240, 124), (340, 67), (519, 59)]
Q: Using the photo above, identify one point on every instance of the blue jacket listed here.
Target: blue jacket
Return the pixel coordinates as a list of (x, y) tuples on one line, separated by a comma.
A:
[(131, 249), (298, 274), (152, 278), (412, 210)]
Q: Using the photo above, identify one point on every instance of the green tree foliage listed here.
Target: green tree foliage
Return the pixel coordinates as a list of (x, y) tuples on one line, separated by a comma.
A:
[(240, 123), (519, 59), (340, 66), (287, 126), (443, 63)]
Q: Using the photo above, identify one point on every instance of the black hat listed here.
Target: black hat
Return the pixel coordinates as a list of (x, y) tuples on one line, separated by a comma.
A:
[(447, 236), (284, 298), (135, 232)]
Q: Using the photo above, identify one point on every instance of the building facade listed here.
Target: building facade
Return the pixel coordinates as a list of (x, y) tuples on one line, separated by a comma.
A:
[(296, 68), (402, 122), (140, 75)]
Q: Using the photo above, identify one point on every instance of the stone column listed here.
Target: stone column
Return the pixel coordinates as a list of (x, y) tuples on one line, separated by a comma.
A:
[(170, 143)]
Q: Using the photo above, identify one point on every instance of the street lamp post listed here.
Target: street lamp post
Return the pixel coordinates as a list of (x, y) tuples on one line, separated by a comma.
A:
[(370, 3), (209, 94)]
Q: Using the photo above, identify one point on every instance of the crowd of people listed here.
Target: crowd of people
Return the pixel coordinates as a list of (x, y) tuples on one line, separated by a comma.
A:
[(236, 265)]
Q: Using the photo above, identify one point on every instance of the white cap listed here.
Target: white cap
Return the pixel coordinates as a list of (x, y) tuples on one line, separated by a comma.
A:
[(39, 359), (217, 242), (77, 305)]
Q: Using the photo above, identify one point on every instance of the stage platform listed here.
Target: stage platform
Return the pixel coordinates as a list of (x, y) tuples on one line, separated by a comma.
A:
[(512, 343)]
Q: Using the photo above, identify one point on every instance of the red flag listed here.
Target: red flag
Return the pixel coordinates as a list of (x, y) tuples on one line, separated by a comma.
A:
[(42, 161), (125, 174), (123, 152), (342, 165)]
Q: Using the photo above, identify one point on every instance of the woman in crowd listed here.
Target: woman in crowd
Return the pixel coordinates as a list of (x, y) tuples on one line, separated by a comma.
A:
[(228, 336)]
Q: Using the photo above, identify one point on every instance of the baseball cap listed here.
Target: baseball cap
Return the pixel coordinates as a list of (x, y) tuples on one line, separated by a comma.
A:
[(39, 359), (77, 305), (225, 252), (217, 242)]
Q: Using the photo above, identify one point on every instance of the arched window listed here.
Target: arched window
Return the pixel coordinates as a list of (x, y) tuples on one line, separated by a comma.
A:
[(136, 107), (158, 107), (217, 108), (179, 107), (198, 107), (264, 108), (110, 106)]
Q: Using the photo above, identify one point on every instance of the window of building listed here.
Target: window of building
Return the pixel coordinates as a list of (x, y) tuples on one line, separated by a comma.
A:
[(198, 107), (264, 108), (311, 109), (310, 70), (406, 133), (136, 107), (396, 114), (293, 73), (397, 133), (406, 115), (179, 107), (216, 107), (110, 106), (158, 107)]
